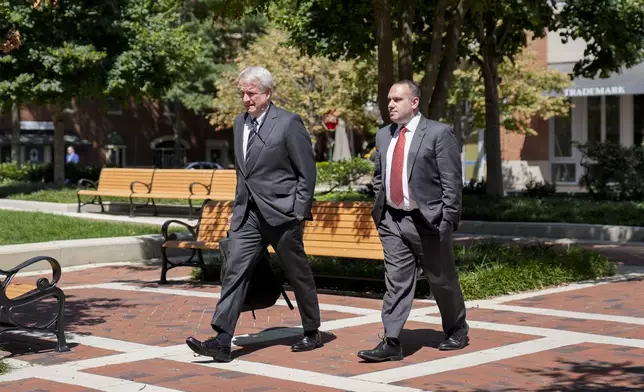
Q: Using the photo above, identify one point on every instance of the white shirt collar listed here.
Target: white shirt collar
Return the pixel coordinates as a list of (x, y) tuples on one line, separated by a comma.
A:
[(412, 124), (261, 117)]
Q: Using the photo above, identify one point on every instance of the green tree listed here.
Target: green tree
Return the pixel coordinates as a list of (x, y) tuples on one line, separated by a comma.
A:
[(424, 34), (614, 31), (521, 95), (311, 86), (87, 49)]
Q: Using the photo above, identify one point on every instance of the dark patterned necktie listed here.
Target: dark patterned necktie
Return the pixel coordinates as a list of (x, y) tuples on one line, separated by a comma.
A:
[(251, 136)]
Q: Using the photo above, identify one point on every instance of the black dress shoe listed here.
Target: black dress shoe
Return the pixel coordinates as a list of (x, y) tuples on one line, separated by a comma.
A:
[(456, 339), (308, 343), (387, 350), (210, 348)]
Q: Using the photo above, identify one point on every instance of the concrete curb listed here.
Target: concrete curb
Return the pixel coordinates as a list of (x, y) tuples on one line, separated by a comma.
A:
[(545, 230), (584, 232), (85, 251)]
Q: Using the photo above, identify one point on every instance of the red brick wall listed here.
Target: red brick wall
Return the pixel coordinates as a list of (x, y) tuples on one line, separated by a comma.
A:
[(521, 147), (139, 124)]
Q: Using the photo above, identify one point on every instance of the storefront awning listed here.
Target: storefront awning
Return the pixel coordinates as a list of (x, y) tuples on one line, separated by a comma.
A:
[(28, 138), (629, 82)]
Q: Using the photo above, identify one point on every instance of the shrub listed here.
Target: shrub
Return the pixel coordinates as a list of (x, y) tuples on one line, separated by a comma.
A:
[(539, 189), (612, 171), (337, 174), (30, 172), (474, 187)]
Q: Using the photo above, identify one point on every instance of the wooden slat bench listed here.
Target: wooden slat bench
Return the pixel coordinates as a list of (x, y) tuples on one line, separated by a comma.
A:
[(175, 184), (151, 184), (14, 297), (341, 229), (114, 182), (211, 227)]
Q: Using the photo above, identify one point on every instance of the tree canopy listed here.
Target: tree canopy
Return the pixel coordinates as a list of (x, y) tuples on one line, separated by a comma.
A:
[(87, 49), (311, 86)]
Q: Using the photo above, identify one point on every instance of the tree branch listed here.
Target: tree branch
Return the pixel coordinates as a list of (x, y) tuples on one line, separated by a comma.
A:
[(435, 56)]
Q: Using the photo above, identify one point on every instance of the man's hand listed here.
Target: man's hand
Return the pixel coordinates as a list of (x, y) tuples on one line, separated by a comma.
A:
[(300, 220), (230, 219)]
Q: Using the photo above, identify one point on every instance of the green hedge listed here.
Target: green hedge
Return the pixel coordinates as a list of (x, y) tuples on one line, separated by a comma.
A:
[(44, 173), (486, 269)]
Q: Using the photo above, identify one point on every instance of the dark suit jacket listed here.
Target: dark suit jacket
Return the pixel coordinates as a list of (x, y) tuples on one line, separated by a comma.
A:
[(280, 171), (434, 172)]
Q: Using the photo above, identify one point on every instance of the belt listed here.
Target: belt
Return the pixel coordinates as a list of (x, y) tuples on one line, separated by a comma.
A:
[(399, 211)]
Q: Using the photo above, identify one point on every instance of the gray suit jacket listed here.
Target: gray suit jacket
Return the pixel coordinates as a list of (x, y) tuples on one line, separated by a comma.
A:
[(434, 172), (280, 171)]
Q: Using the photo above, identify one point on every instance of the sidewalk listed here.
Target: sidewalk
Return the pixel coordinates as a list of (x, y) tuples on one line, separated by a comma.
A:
[(127, 334)]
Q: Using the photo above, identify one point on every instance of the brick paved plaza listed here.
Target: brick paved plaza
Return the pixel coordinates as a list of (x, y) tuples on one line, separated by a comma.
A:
[(127, 333)]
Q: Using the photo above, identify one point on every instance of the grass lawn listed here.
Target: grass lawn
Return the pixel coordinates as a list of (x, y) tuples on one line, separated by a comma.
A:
[(68, 195), (525, 209), (24, 227), (3, 367), (509, 209), (486, 269)]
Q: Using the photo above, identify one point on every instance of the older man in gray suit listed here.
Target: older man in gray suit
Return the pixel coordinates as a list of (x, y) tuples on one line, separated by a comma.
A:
[(418, 187), (275, 183)]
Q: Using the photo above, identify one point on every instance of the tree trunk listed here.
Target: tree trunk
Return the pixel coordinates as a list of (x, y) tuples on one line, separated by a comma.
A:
[(492, 137), (434, 59), (405, 44), (384, 40), (59, 144), (15, 133), (448, 65), (177, 127)]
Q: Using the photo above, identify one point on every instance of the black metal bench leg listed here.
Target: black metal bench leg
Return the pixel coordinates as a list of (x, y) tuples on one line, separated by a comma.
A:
[(189, 209), (156, 211), (61, 345), (78, 210), (164, 267), (100, 201), (131, 207)]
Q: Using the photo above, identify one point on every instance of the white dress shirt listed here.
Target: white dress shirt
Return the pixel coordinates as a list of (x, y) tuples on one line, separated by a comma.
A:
[(408, 203), (249, 118)]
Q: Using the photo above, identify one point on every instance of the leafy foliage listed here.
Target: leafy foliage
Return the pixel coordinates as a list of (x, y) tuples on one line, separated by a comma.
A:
[(343, 173), (539, 189), (613, 32), (486, 269), (309, 86), (612, 171), (44, 173), (521, 93)]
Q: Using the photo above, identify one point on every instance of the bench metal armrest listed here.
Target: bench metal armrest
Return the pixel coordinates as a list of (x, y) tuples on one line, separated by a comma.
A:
[(207, 187), (173, 236), (147, 186), (42, 283), (84, 182)]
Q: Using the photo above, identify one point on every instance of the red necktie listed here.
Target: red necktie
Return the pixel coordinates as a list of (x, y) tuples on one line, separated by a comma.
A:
[(397, 163)]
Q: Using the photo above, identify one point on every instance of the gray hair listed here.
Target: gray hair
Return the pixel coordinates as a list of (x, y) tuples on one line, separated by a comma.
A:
[(413, 87), (259, 75)]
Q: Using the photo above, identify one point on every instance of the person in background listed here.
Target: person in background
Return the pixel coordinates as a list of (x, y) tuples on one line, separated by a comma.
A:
[(72, 157)]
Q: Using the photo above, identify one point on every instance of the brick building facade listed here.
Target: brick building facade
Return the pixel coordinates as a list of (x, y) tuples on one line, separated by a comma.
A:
[(132, 135)]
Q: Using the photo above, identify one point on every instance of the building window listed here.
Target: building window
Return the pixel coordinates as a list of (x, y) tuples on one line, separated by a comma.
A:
[(164, 152), (563, 167), (563, 136), (115, 155), (604, 119), (5, 153), (638, 120), (114, 107), (68, 107), (564, 172)]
